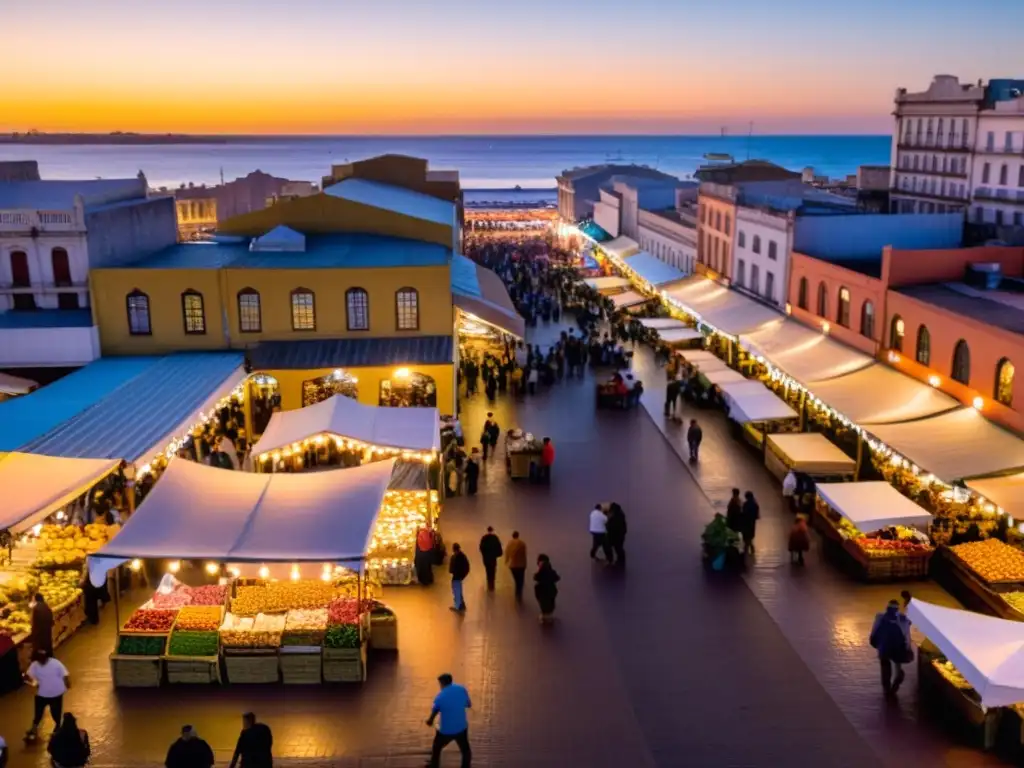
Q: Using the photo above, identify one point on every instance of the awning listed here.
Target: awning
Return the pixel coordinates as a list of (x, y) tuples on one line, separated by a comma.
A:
[(351, 353), (1006, 492), (678, 335), (197, 512), (15, 385), (699, 357), (753, 401), (724, 375), (726, 310), (628, 299), (621, 247), (479, 292), (412, 429), (879, 395), (661, 323), (650, 269), (607, 283), (803, 353), (34, 487), (873, 506), (987, 651), (810, 452), (954, 446)]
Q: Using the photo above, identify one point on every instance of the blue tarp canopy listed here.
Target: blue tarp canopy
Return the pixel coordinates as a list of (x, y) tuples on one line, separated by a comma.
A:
[(594, 231), (653, 270)]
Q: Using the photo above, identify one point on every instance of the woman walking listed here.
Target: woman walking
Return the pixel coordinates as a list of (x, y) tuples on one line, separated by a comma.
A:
[(69, 745), (749, 515), (545, 588)]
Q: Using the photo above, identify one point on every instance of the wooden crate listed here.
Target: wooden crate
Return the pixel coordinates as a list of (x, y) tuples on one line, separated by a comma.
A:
[(384, 634), (345, 665), (136, 671), (192, 669), (252, 667), (301, 668)]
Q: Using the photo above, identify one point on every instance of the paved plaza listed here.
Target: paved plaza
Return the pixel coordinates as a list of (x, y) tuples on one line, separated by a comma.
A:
[(657, 665)]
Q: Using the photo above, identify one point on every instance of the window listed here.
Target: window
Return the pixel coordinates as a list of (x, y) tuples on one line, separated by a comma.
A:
[(755, 278), (250, 319), (979, 215), (896, 331), (192, 312), (1018, 219), (843, 308), (822, 300), (1004, 382), (924, 346), (137, 304), (999, 218), (961, 363), (990, 141), (801, 297), (915, 162), (741, 269), (62, 278), (757, 244), (867, 320), (703, 214), (742, 238), (769, 286), (718, 220), (986, 171), (728, 224), (303, 310), (773, 250), (357, 309), (1020, 176), (1004, 174), (407, 309)]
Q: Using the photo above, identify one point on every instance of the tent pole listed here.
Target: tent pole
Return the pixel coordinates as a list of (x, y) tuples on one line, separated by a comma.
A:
[(117, 599), (860, 456)]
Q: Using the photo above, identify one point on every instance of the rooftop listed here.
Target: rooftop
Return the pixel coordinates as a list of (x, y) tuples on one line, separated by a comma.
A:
[(407, 202), (673, 215), (46, 318), (1001, 309), (627, 169), (60, 195), (344, 251)]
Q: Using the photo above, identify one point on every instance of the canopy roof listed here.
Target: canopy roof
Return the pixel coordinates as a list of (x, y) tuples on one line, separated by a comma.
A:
[(627, 299), (723, 375), (676, 335), (810, 452), (753, 401), (726, 310), (879, 395), (607, 283), (15, 385), (651, 269), (988, 652), (700, 357), (34, 487), (621, 246), (413, 429), (1006, 492), (661, 323), (956, 445), (407, 202), (873, 505), (480, 292), (200, 512), (804, 353)]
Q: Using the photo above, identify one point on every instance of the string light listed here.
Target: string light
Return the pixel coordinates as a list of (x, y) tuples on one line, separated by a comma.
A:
[(136, 565), (347, 443), (212, 569), (264, 572), (174, 566)]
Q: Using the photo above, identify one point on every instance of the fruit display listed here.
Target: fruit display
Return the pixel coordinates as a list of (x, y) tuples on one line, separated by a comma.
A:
[(952, 674), (60, 588), (140, 645), (875, 547), (194, 643), (401, 515), (16, 621), (19, 588), (342, 636), (305, 627), (278, 597), (1014, 599), (992, 560), (183, 594), (152, 620), (170, 601), (346, 610), (198, 618), (262, 631), (63, 546)]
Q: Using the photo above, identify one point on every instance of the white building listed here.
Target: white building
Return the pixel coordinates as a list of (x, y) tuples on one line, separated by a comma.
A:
[(997, 178), (671, 235), (51, 234)]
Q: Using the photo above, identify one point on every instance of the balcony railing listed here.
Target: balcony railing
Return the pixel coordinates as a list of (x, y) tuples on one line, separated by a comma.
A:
[(926, 172), (1010, 196), (927, 195), (58, 287), (1003, 150), (950, 146), (24, 219)]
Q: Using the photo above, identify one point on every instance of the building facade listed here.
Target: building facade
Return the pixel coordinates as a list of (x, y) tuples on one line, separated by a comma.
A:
[(997, 177), (579, 188), (764, 239), (671, 235), (716, 206)]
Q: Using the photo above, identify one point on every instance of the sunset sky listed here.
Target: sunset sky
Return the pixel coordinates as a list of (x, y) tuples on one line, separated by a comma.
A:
[(457, 67)]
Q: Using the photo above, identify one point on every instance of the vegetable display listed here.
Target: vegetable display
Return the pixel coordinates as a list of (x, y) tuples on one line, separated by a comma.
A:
[(263, 631), (154, 620), (193, 644), (305, 627), (875, 547), (952, 674), (60, 588), (992, 560), (278, 597), (346, 610), (342, 636), (198, 618), (207, 595), (62, 546), (137, 645)]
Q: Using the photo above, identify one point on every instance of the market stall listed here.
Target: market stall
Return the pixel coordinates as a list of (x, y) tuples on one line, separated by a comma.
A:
[(986, 576), (756, 409), (628, 299), (873, 530), (321, 527), (661, 323), (607, 285), (679, 335), (522, 451), (809, 453)]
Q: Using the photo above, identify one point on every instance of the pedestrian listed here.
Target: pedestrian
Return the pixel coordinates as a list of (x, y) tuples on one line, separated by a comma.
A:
[(532, 378), (472, 471), (545, 588), (458, 567), (42, 625), (52, 681), (189, 751), (547, 460), (890, 636), (5, 753), (799, 540), (906, 597), (423, 560), (451, 705), (599, 533), (615, 531), (693, 437), (671, 395), (515, 559), (69, 745), (749, 516), (485, 434), (734, 511), (493, 432), (255, 744), (490, 551), (789, 484)]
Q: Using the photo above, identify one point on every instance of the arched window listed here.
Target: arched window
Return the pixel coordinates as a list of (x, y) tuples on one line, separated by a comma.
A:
[(357, 309), (822, 299), (1004, 381), (757, 244), (961, 363), (250, 316), (728, 224), (137, 306), (867, 320), (843, 308), (303, 310), (407, 309), (924, 346), (773, 250), (896, 330), (192, 312), (801, 298)]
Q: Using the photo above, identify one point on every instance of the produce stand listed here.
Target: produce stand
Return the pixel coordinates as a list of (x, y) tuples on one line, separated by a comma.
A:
[(383, 628), (193, 649), (522, 450), (873, 531), (986, 576), (757, 409), (136, 671), (809, 453), (945, 688)]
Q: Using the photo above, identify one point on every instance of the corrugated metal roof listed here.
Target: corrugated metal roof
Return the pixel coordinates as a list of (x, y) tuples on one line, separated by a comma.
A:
[(347, 353), (60, 195), (416, 205), (46, 318), (166, 393)]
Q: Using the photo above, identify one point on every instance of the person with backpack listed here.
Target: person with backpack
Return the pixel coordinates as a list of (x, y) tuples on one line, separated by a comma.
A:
[(458, 567), (69, 745), (890, 636)]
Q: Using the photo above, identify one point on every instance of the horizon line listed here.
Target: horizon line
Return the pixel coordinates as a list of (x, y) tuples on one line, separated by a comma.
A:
[(543, 134)]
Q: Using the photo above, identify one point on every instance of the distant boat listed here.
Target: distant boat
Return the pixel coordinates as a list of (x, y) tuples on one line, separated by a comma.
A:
[(718, 158)]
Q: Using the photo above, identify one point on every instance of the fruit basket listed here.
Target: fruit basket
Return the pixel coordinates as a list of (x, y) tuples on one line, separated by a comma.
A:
[(305, 627), (250, 647), (997, 564)]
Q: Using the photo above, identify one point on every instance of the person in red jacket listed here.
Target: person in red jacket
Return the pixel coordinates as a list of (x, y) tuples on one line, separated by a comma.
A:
[(547, 459)]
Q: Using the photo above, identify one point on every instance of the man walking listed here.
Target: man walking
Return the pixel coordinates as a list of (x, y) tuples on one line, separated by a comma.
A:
[(515, 559), (890, 636), (693, 437), (255, 743), (599, 533), (458, 567), (189, 751), (490, 551), (451, 704)]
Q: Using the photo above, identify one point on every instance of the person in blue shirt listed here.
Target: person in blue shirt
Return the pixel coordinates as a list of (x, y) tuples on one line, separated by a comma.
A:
[(451, 704)]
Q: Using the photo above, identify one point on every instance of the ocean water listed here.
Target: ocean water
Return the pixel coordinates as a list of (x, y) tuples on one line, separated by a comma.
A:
[(485, 162)]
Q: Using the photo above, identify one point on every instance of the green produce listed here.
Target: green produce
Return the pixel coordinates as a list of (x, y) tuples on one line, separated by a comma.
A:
[(133, 645), (342, 636), (193, 644)]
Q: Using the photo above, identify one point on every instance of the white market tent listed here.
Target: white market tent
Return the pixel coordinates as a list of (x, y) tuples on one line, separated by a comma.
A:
[(678, 335), (803, 353), (812, 453), (872, 506), (954, 446), (197, 512), (661, 323), (621, 247), (16, 385), (987, 651), (412, 429), (1006, 492), (33, 487), (652, 270), (700, 357), (718, 306), (753, 401), (723, 375), (879, 395), (607, 283), (627, 299)]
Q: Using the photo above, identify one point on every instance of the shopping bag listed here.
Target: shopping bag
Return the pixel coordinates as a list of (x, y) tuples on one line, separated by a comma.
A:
[(718, 563)]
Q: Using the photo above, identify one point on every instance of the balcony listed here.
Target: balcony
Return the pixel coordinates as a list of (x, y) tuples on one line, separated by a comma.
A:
[(1007, 196), (924, 172), (44, 288), (927, 195), (948, 146), (1003, 150), (25, 221)]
